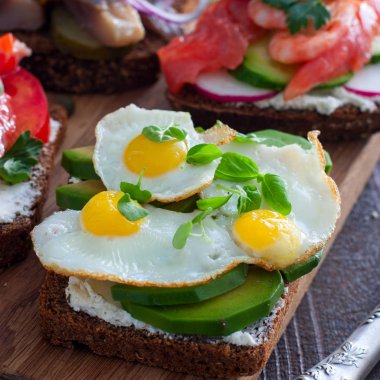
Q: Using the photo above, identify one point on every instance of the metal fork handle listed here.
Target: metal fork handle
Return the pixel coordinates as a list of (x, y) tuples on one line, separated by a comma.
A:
[(355, 358)]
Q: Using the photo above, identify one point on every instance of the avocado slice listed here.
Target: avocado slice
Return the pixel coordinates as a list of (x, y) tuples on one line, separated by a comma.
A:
[(298, 270), (74, 196), (71, 38), (218, 316), (78, 162), (149, 295)]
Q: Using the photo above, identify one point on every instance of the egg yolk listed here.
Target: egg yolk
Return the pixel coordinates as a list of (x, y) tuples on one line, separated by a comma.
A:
[(155, 158), (100, 216), (269, 235)]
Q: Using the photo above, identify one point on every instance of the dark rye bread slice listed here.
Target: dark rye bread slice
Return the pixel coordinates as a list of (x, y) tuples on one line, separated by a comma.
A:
[(15, 241), (199, 356), (62, 72), (346, 123)]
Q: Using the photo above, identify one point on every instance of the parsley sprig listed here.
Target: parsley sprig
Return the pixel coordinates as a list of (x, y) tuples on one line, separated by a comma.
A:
[(16, 163), (301, 12)]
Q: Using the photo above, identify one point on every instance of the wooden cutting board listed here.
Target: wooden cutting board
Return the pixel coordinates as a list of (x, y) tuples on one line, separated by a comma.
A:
[(23, 352)]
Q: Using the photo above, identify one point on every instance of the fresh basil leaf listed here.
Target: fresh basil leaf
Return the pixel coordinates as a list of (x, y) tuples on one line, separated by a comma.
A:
[(214, 202), (141, 196), (199, 129), (236, 168), (182, 234), (162, 134), (203, 154), (274, 192), (130, 209), (249, 199), (199, 218), (329, 163), (16, 163), (249, 137)]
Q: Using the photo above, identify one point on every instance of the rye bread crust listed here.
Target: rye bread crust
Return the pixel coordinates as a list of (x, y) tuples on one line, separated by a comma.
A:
[(62, 72), (63, 326), (15, 240), (346, 123)]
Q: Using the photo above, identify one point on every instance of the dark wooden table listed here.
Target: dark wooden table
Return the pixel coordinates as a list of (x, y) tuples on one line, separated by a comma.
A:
[(344, 291)]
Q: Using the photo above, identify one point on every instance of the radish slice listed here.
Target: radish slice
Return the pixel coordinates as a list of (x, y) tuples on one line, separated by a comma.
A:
[(366, 82), (222, 87)]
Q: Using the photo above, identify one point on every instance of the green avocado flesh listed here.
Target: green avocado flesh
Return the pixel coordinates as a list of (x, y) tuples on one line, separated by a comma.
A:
[(260, 70), (78, 162), (220, 315), (295, 271), (74, 196), (71, 38), (147, 295)]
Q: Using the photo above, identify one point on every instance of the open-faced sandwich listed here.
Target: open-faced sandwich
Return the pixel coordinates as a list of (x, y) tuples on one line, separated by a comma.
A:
[(29, 136), (178, 248), (282, 64), (84, 46)]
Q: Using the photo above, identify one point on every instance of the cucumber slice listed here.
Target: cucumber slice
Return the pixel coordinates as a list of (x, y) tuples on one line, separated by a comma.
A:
[(71, 38), (148, 295), (298, 270), (218, 316), (78, 162), (376, 50), (260, 70), (340, 81)]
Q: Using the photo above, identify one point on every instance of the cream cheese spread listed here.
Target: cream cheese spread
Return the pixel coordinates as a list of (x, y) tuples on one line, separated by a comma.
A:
[(18, 200), (324, 102), (82, 297)]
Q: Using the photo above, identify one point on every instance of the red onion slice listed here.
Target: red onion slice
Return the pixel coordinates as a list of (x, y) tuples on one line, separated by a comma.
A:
[(222, 87)]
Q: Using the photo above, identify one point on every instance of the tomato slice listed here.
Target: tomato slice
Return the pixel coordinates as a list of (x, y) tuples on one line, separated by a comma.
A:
[(7, 121), (29, 103), (11, 52)]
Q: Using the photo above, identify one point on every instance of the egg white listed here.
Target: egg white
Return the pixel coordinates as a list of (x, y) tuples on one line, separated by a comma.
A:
[(116, 130), (144, 258), (314, 197)]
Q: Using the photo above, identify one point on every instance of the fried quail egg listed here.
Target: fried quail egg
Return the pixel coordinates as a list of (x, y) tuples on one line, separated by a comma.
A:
[(99, 243), (122, 153), (273, 240)]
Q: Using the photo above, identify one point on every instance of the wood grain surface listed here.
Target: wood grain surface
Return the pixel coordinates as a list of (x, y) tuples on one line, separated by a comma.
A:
[(317, 328)]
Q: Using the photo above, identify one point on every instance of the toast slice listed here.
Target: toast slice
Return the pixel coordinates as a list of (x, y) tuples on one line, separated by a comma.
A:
[(196, 355), (62, 72), (346, 123), (15, 241)]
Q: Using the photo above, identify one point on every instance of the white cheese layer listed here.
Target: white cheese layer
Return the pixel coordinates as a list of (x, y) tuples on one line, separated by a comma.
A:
[(17, 200), (323, 102), (81, 297)]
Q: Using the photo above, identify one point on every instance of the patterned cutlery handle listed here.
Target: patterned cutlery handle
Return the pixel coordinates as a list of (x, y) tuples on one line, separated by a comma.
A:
[(355, 358)]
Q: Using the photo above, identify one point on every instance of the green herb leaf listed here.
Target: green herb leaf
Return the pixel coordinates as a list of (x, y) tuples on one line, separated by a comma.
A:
[(249, 199), (203, 154), (16, 163), (236, 168), (300, 13), (135, 191), (249, 137), (199, 218), (162, 134), (199, 129), (214, 202), (131, 209), (1, 87), (274, 192), (182, 234)]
